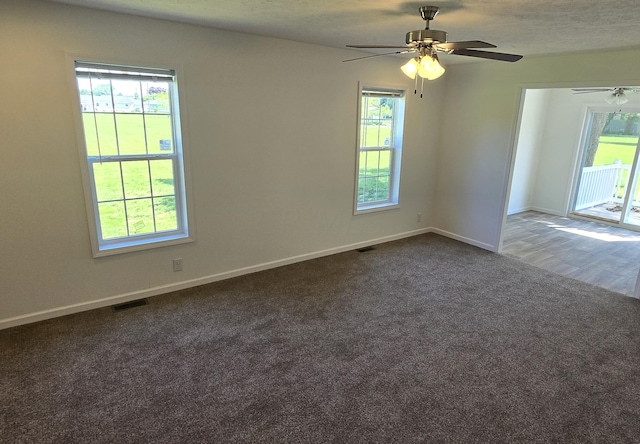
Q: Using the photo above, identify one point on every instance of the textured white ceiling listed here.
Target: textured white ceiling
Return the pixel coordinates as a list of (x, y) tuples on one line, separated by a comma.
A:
[(525, 27)]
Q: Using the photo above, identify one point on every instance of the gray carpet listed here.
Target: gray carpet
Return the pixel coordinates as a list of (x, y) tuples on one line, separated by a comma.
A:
[(420, 340)]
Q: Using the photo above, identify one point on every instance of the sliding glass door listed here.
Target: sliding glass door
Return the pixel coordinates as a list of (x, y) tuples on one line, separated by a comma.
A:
[(631, 209), (608, 183)]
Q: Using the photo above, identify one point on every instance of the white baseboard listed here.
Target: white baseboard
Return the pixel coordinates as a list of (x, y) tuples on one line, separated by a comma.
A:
[(511, 212), (548, 211), (466, 240), (518, 210), (127, 297)]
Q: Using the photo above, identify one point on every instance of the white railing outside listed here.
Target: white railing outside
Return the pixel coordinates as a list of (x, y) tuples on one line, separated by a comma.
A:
[(601, 184)]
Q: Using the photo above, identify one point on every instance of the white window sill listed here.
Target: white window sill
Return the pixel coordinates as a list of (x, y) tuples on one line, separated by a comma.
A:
[(139, 245), (375, 207)]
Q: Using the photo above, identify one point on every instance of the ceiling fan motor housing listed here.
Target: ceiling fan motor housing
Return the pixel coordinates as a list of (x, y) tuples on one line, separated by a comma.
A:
[(426, 36)]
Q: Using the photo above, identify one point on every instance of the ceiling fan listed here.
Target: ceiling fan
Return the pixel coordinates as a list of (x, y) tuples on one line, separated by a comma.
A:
[(617, 96), (427, 43)]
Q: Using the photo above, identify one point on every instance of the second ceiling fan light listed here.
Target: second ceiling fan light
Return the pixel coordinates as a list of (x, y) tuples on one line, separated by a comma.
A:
[(618, 97)]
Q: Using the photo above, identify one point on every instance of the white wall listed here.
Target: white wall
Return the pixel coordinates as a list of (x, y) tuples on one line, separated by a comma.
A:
[(530, 133), (558, 150), (269, 127), (478, 133)]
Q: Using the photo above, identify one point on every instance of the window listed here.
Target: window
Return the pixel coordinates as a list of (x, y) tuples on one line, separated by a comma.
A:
[(381, 122), (133, 156)]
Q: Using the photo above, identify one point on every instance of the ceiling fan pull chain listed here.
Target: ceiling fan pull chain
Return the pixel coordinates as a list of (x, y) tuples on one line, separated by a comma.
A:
[(422, 87), (415, 87)]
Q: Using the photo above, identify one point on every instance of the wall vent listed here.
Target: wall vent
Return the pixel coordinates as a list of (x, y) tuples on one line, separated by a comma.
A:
[(128, 305)]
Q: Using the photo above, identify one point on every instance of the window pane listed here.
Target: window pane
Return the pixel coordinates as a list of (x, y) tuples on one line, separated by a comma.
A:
[(107, 134), (159, 135), (382, 188), (127, 97), (156, 97), (377, 134), (370, 138), (112, 220), (369, 194), (140, 216), (166, 215), (377, 122), (101, 89), (374, 175), (361, 190), (385, 162), (135, 176), (362, 163), (90, 135), (108, 181), (373, 108), (373, 158), (162, 177), (384, 136), (131, 134)]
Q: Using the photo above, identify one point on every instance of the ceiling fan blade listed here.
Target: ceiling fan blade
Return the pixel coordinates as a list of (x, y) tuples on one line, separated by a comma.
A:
[(375, 46), (585, 90), (463, 45), (376, 55), (488, 55)]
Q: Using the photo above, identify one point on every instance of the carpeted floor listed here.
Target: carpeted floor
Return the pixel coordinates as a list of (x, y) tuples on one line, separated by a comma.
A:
[(420, 340)]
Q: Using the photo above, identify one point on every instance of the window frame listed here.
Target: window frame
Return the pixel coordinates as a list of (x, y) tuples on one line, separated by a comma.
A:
[(395, 148), (185, 230)]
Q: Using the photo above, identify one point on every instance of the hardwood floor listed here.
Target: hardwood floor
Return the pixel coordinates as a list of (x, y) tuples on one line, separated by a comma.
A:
[(588, 251)]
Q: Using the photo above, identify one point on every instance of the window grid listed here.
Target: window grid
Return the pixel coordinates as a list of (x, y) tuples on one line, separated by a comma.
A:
[(377, 179), (152, 196), (378, 154), (372, 179), (155, 186)]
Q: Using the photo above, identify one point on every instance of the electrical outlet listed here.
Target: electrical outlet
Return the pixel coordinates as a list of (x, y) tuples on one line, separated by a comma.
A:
[(177, 264), (419, 218)]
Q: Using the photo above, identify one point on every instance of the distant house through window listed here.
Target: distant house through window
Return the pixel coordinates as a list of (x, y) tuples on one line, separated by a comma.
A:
[(133, 157), (380, 130)]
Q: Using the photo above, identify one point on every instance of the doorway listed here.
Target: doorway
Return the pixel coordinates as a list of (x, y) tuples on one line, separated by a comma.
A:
[(549, 161), (557, 171)]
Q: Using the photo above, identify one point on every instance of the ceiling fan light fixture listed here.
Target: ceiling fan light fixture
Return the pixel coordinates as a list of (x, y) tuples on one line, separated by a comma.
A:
[(411, 68), (427, 42), (430, 67), (617, 98)]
